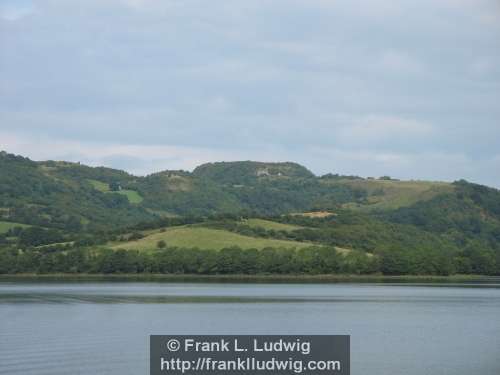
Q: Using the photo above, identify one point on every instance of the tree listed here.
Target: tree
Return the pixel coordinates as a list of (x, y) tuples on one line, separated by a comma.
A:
[(115, 186), (135, 236), (394, 262)]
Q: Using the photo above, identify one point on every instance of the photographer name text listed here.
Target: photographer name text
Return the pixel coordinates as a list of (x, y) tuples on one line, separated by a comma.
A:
[(234, 345)]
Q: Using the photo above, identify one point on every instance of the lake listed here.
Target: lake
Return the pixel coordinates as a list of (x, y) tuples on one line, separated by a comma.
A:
[(104, 327)]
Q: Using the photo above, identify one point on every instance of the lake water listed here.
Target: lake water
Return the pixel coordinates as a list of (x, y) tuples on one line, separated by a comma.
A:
[(104, 328)]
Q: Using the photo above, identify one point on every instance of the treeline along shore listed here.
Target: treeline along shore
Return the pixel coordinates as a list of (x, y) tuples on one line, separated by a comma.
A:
[(241, 278)]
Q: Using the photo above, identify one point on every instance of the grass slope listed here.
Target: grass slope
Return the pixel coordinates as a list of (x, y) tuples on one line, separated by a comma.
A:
[(205, 238), (270, 225), (98, 185), (132, 195), (6, 225), (391, 194)]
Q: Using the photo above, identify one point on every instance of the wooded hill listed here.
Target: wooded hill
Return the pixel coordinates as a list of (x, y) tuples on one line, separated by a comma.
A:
[(49, 202)]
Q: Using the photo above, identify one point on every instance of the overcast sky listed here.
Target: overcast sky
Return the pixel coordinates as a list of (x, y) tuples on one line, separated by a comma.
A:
[(409, 89)]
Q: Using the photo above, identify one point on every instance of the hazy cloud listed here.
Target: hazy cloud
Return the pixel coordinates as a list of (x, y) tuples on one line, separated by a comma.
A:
[(13, 11), (408, 89)]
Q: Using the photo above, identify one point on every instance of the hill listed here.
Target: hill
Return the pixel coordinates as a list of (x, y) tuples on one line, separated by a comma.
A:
[(250, 172), (61, 195), (251, 204)]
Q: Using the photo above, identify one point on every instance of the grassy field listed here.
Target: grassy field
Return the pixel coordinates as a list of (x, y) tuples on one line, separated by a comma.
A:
[(204, 238), (270, 225), (132, 195), (98, 185), (6, 225), (391, 194)]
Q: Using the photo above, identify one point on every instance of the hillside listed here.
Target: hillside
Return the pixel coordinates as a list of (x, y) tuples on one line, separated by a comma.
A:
[(62, 195), (66, 195), (250, 205), (393, 194)]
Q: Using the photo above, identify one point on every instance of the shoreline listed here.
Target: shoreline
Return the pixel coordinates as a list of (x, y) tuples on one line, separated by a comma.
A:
[(242, 278)]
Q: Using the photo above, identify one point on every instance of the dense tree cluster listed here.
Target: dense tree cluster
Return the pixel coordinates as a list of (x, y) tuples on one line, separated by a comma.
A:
[(314, 260)]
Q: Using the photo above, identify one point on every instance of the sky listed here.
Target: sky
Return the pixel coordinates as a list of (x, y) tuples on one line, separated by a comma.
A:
[(409, 89)]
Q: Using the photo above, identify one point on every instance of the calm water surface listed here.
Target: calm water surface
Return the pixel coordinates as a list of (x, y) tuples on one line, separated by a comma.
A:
[(104, 328)]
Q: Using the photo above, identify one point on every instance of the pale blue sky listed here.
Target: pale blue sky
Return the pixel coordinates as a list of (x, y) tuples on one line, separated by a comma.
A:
[(404, 88)]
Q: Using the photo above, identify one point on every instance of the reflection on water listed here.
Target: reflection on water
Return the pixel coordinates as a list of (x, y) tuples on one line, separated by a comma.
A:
[(104, 328)]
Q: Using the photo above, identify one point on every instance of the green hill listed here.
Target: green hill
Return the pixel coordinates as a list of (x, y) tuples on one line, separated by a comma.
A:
[(250, 172), (59, 195), (251, 204)]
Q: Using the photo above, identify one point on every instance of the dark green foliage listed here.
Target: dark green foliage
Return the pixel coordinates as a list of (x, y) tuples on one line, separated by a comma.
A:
[(114, 186), (315, 260), (312, 260), (58, 195), (468, 216), (120, 261), (250, 172), (135, 236), (400, 262), (35, 236)]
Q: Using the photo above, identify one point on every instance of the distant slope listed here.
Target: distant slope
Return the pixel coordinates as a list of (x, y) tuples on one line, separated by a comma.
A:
[(470, 210), (270, 225), (5, 226), (393, 194), (208, 190)]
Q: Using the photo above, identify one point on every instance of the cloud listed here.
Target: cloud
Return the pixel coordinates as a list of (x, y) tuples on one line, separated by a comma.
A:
[(135, 158), (396, 62), (376, 86), (16, 10), (377, 128)]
